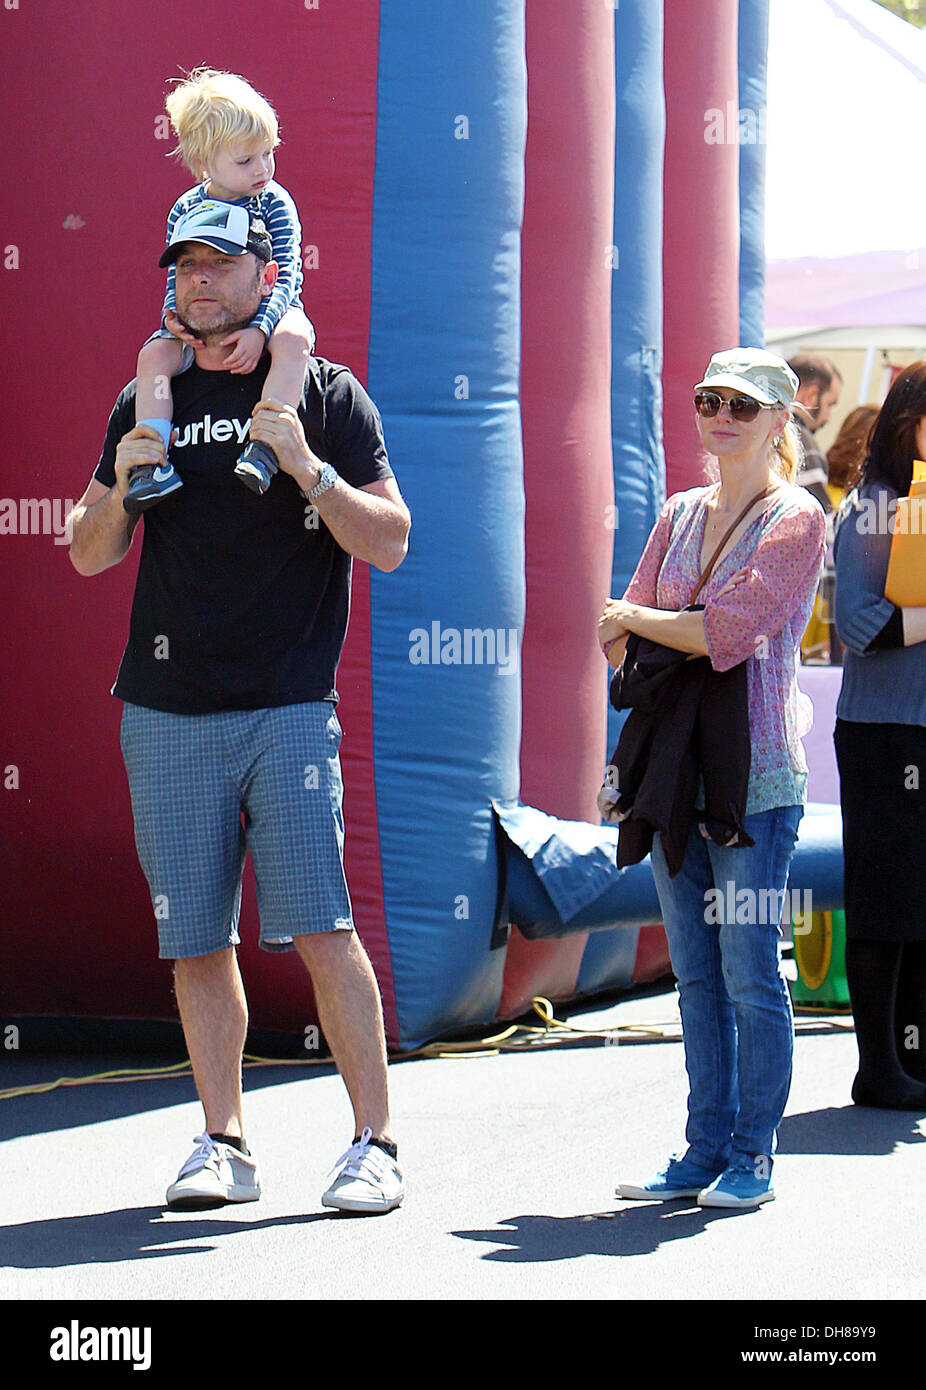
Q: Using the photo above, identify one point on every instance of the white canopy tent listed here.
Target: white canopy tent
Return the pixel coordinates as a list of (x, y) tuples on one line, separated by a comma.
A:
[(845, 185)]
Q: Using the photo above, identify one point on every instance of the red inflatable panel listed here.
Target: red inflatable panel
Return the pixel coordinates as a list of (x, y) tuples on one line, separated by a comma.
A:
[(565, 406), (652, 959), (702, 220), (84, 94)]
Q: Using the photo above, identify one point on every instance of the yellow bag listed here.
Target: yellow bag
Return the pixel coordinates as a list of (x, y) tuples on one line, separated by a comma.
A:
[(906, 570)]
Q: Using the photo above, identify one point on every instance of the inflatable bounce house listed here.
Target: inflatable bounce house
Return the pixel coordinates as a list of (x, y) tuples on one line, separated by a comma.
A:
[(526, 229)]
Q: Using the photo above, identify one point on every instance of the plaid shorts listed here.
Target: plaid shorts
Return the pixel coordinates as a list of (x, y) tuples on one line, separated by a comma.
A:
[(206, 789)]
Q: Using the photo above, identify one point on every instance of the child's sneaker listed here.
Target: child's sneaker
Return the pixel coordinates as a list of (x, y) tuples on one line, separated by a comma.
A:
[(256, 466), (743, 1184), (149, 484), (679, 1178)]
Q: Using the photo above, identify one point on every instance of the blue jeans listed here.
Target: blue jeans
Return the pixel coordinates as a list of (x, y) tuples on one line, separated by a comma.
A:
[(735, 1003)]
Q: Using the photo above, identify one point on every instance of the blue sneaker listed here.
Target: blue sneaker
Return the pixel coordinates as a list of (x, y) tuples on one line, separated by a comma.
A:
[(256, 466), (743, 1184), (679, 1178), (148, 485)]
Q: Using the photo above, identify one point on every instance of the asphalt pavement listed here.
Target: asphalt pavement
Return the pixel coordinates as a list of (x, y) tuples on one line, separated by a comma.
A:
[(511, 1160)]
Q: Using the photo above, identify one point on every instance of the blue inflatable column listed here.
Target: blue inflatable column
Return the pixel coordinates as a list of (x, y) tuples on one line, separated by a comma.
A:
[(752, 56), (443, 368), (636, 287)]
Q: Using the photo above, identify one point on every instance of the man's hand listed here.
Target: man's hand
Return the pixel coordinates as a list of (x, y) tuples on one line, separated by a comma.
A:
[(371, 523), (101, 528), (279, 425), (248, 344), (173, 324), (141, 446)]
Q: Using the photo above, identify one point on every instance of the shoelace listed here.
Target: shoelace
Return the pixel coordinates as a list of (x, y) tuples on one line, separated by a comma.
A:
[(201, 1156), (359, 1153)]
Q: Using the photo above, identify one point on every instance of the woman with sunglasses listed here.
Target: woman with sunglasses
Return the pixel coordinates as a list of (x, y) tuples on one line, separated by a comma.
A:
[(881, 750), (735, 1004)]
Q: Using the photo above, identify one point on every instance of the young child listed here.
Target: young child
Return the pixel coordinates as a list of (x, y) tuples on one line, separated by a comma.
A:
[(227, 133)]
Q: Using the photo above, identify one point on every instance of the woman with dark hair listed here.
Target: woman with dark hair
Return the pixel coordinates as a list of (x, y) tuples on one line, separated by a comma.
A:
[(752, 544), (881, 750)]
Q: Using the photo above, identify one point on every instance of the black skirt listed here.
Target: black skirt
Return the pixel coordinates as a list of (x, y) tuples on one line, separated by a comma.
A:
[(882, 790)]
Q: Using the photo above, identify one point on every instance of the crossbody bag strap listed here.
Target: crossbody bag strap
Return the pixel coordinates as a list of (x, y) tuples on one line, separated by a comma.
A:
[(708, 569)]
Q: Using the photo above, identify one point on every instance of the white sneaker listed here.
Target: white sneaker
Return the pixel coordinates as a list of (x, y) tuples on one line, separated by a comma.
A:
[(368, 1180), (214, 1173)]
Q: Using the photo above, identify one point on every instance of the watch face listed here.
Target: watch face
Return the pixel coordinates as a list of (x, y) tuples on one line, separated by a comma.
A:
[(327, 479)]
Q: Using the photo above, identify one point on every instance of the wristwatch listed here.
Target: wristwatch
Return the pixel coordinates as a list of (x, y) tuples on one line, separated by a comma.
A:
[(326, 479)]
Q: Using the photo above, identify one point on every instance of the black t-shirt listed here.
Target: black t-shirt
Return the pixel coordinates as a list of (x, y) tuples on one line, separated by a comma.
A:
[(242, 600)]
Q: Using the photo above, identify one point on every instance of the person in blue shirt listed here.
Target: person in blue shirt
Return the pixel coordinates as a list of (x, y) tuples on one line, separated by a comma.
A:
[(881, 750)]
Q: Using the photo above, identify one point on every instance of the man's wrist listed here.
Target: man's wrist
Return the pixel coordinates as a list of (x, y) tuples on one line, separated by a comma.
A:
[(310, 472), (327, 478)]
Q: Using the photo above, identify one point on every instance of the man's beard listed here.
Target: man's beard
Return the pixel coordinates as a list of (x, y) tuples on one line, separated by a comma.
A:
[(216, 332)]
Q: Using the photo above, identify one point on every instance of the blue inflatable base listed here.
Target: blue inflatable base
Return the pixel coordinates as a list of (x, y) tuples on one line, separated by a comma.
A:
[(561, 877)]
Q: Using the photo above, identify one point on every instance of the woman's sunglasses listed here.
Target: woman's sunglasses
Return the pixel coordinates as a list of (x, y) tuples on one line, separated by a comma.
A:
[(708, 403)]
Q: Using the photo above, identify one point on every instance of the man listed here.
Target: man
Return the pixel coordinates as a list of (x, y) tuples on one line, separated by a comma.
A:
[(818, 392), (238, 619)]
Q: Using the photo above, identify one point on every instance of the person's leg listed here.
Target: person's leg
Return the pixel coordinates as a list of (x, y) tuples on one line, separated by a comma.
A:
[(351, 1016), (883, 824), (158, 360), (872, 972), (752, 882), (213, 1012), (190, 844), (290, 347), (214, 1015), (910, 1010), (295, 833), (708, 1024)]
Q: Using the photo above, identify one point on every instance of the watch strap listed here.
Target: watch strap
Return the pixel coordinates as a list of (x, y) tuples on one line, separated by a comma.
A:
[(327, 479)]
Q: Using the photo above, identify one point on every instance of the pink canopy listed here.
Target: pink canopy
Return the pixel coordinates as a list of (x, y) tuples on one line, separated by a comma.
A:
[(877, 287)]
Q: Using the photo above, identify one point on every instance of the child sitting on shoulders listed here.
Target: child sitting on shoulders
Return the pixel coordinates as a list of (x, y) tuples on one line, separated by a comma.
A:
[(227, 134)]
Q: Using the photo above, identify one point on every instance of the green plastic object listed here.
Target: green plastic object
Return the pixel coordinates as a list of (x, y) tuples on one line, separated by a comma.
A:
[(820, 954)]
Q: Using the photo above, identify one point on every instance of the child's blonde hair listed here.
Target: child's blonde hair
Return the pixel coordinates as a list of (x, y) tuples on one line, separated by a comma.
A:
[(210, 109)]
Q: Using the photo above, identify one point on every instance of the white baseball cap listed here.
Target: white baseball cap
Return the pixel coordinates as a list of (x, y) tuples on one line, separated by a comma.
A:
[(762, 375)]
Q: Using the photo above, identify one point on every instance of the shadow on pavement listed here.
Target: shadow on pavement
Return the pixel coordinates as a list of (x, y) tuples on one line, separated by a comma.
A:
[(131, 1233), (848, 1129), (631, 1230)]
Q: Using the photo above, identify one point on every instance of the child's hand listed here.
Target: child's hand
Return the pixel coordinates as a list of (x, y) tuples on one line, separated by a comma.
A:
[(173, 324), (248, 345)]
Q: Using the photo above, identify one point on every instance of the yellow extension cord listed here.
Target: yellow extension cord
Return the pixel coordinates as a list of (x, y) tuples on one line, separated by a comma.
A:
[(531, 1036), (505, 1041)]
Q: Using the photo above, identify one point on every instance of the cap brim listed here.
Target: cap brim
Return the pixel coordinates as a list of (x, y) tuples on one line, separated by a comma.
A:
[(230, 248), (743, 384), (739, 383)]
